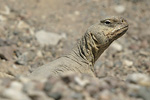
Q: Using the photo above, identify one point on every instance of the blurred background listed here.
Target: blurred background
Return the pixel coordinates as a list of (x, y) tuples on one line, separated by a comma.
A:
[(34, 32)]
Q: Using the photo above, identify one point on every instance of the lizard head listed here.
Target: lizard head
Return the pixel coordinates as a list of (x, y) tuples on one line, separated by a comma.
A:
[(106, 31)]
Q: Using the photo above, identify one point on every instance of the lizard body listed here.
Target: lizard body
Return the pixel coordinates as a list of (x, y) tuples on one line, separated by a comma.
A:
[(88, 49)]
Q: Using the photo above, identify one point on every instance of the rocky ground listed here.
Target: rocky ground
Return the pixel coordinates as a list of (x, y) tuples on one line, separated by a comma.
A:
[(35, 32)]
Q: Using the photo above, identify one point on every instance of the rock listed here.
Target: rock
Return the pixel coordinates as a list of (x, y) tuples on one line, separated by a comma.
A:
[(2, 18), (39, 53), (115, 45), (128, 62), (56, 88), (144, 92), (15, 95), (117, 63), (81, 82), (77, 96), (48, 38), (23, 25), (5, 11), (144, 53), (68, 77), (26, 57), (48, 86), (10, 68), (92, 90), (56, 95), (7, 52), (15, 92), (139, 78), (24, 79), (39, 95), (139, 91), (119, 8), (34, 90), (105, 95), (16, 85)]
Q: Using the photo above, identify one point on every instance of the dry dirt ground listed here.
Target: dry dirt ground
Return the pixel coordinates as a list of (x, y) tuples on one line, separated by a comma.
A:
[(123, 69)]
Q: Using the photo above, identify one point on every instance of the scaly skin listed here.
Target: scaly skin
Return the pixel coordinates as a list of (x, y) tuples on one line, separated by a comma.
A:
[(87, 50)]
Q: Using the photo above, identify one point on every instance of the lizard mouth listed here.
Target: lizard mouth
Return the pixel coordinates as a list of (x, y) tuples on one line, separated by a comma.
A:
[(121, 31), (125, 28), (118, 33)]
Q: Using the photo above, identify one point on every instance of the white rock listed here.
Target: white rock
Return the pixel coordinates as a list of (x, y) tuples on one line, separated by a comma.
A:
[(15, 92), (119, 8), (128, 62), (39, 54), (6, 10), (138, 78), (117, 46), (81, 82), (48, 38), (15, 95), (16, 85), (2, 18), (24, 79)]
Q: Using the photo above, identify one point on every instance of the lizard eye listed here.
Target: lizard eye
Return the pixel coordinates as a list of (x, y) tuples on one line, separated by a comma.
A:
[(107, 22)]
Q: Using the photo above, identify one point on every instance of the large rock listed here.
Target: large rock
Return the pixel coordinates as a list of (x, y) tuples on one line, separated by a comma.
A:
[(139, 78), (48, 38), (14, 92)]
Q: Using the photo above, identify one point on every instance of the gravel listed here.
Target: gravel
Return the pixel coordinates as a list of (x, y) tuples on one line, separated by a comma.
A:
[(36, 32)]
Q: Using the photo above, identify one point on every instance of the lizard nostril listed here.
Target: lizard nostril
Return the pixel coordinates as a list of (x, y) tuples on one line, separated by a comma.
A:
[(123, 21)]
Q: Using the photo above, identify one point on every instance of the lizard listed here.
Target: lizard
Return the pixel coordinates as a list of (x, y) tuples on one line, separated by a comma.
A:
[(87, 50)]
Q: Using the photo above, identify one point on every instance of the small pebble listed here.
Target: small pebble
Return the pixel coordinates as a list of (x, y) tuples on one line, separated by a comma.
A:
[(2, 18), (23, 25), (77, 13), (128, 62)]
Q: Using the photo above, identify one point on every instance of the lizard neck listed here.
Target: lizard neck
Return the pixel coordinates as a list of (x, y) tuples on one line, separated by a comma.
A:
[(86, 50)]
